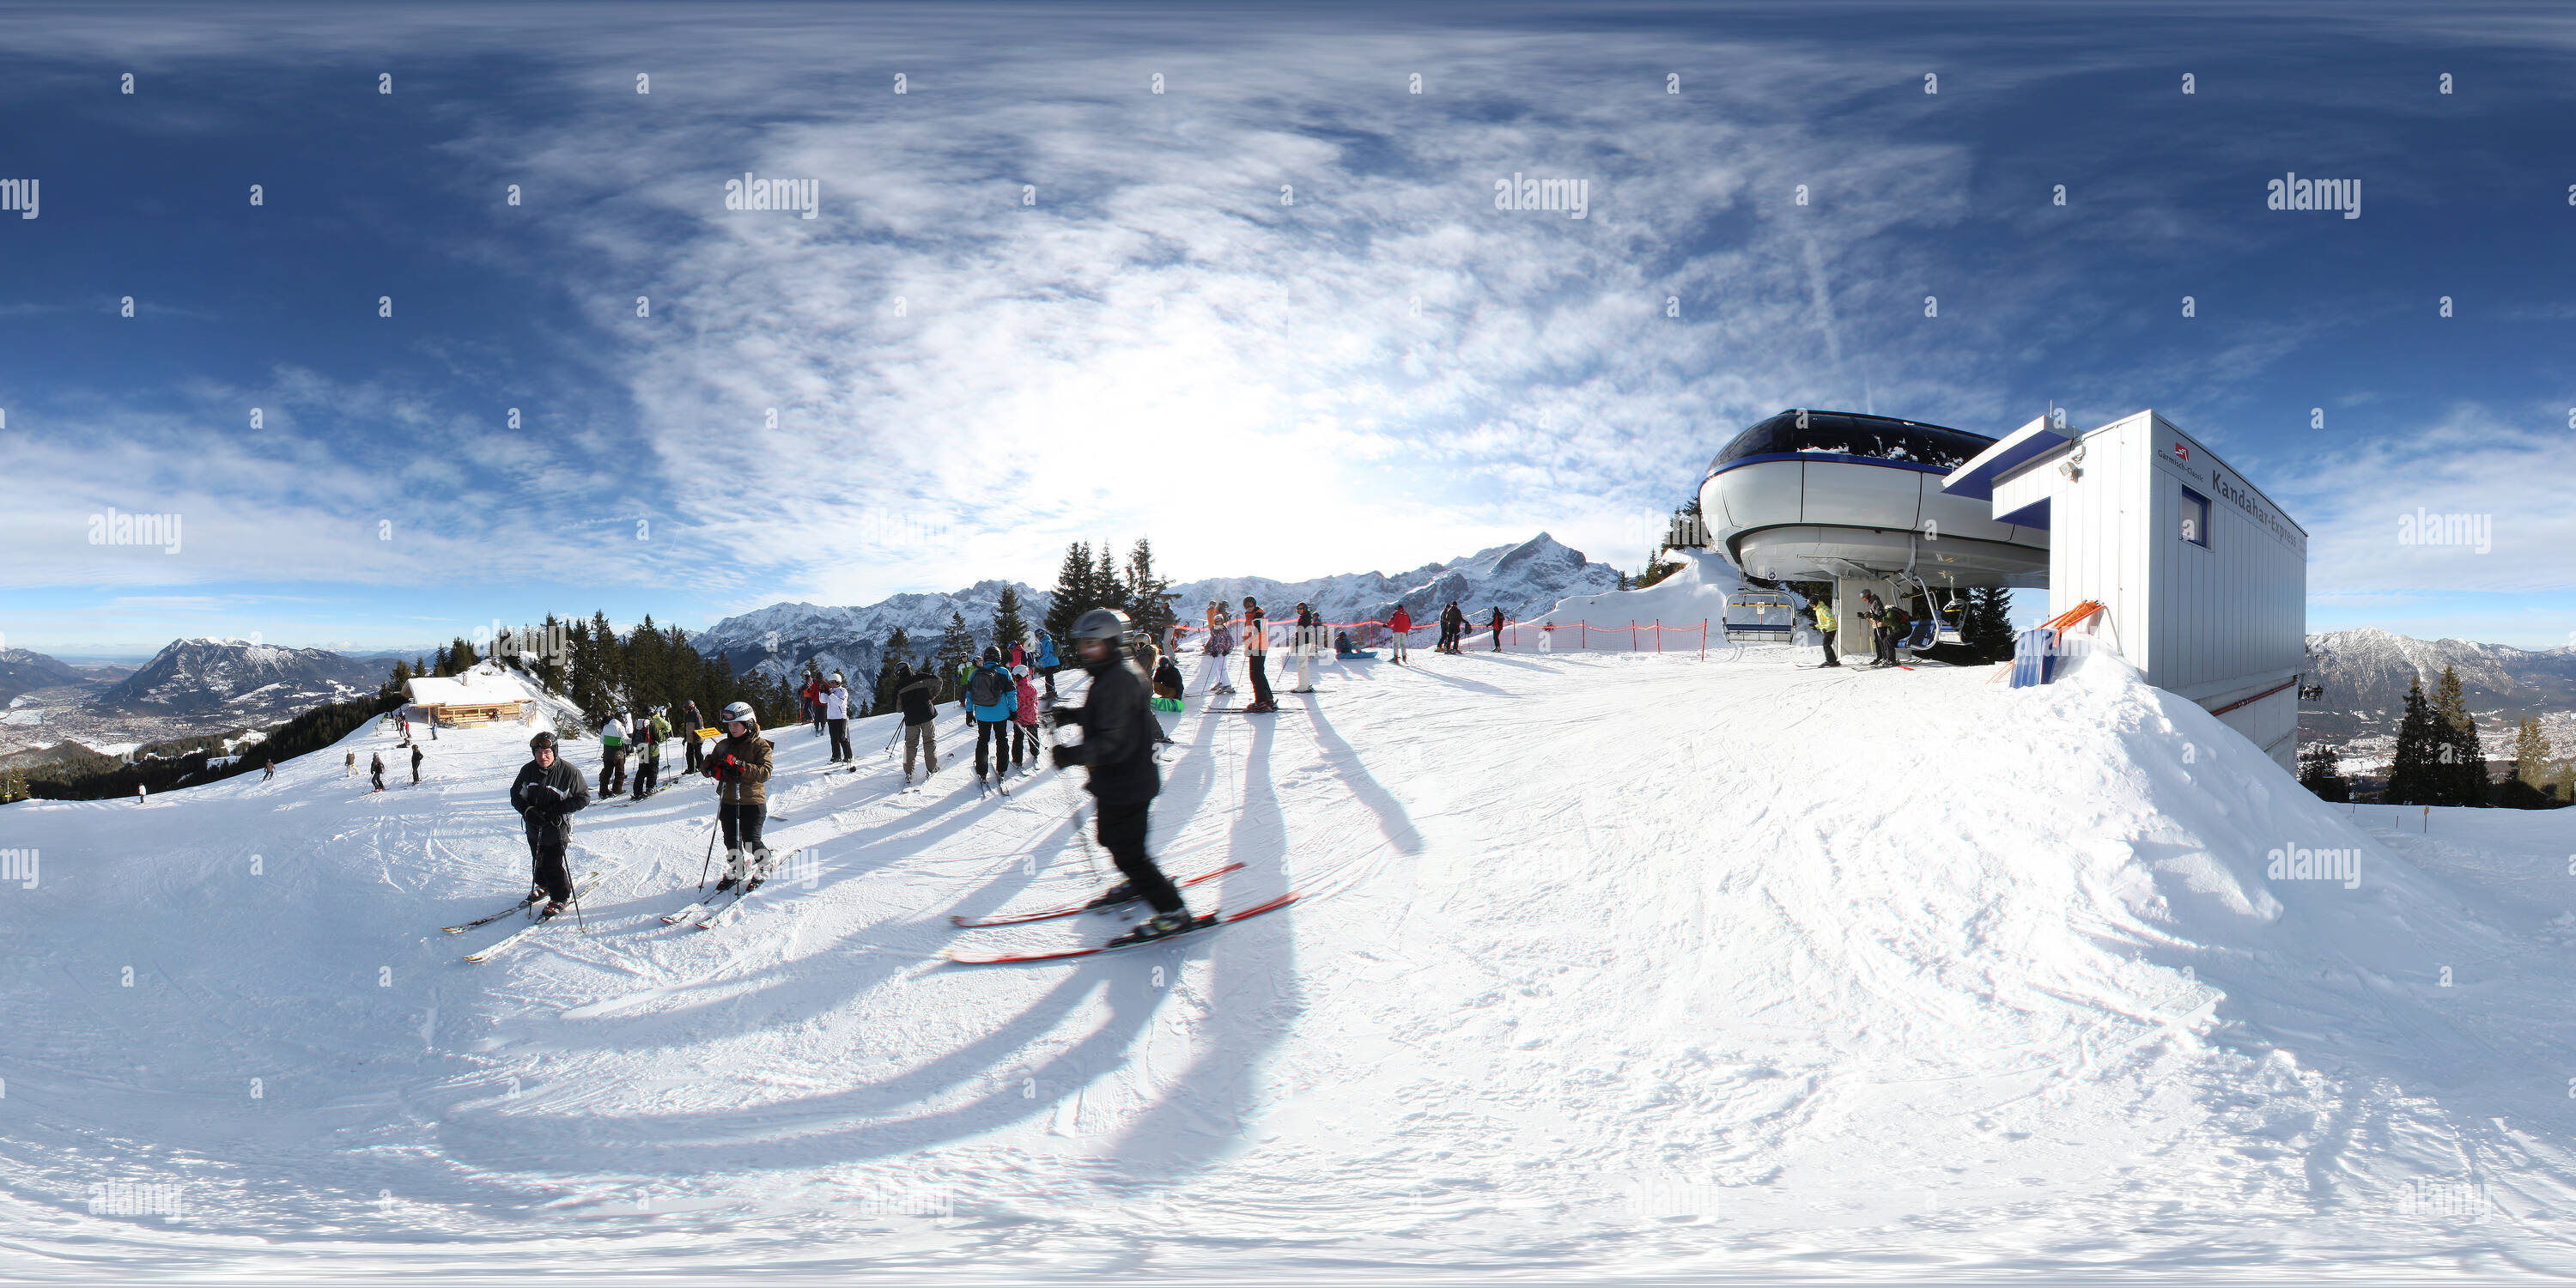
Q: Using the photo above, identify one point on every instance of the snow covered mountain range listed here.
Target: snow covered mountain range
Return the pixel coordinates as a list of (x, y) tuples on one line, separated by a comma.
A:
[(2365, 673), (251, 684), (1523, 579)]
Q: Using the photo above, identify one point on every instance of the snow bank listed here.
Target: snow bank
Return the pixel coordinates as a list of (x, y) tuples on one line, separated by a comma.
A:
[(1607, 965)]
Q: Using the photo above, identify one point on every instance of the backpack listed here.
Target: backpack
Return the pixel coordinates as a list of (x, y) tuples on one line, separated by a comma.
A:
[(986, 690)]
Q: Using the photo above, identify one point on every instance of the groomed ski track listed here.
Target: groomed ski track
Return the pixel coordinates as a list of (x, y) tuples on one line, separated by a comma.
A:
[(1603, 965)]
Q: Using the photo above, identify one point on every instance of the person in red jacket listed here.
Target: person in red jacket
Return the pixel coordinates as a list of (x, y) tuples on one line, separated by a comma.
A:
[(1497, 624), (1397, 626)]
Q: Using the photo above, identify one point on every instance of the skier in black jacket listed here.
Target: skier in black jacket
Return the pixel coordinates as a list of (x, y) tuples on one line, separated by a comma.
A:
[(1118, 744), (547, 794), (913, 691)]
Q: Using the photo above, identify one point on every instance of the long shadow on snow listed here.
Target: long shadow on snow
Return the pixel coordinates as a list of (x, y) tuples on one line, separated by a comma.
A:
[(1253, 997)]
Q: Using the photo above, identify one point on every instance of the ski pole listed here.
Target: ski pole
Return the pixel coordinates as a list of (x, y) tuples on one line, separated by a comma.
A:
[(709, 861)]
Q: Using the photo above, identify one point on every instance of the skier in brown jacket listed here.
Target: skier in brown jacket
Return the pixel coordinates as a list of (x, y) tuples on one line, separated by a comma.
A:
[(740, 765)]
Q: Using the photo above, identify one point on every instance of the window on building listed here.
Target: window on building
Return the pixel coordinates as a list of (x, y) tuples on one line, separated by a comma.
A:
[(2195, 518)]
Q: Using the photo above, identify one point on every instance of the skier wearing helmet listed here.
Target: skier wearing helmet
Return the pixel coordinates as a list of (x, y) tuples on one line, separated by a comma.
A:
[(992, 697), (548, 792), (740, 765), (1118, 745)]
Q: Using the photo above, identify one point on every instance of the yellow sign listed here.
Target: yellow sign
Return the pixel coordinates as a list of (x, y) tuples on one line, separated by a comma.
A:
[(710, 733)]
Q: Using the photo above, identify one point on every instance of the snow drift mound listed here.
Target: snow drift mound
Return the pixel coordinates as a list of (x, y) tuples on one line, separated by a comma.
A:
[(1619, 964)]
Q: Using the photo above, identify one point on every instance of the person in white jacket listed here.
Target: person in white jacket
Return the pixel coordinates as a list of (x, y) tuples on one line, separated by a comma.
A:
[(836, 714)]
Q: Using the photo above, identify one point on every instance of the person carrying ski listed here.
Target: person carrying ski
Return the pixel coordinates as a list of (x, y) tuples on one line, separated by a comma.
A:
[(836, 713), (1047, 663), (547, 793), (1024, 720), (991, 698), (415, 764), (376, 769), (1256, 656), (1824, 615), (1497, 625), (913, 691), (1118, 747), (740, 765), (1398, 628), (612, 756), (689, 715)]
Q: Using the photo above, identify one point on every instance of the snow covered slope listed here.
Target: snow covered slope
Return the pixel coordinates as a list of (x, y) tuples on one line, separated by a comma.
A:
[(1607, 965)]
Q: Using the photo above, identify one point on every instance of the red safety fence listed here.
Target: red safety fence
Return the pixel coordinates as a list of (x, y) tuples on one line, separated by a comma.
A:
[(1636, 637)]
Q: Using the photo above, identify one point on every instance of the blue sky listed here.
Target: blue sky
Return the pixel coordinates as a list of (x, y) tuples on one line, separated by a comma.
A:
[(1269, 316)]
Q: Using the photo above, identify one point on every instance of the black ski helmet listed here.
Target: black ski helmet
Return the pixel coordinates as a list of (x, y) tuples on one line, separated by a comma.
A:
[(992, 653), (542, 742), (1101, 624)]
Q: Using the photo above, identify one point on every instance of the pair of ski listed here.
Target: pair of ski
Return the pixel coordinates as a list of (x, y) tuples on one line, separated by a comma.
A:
[(1209, 921), (720, 909), (590, 881)]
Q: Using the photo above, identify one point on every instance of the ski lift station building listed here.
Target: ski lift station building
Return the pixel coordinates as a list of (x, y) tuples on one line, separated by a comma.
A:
[(2202, 579)]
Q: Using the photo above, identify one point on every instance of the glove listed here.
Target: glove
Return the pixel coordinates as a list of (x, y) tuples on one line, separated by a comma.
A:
[(1068, 756), (544, 796), (727, 766), (1059, 717)]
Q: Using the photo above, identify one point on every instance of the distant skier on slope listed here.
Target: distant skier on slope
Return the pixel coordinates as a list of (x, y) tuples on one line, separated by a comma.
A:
[(1497, 625), (1398, 628), (376, 769), (1024, 721), (612, 756), (740, 765), (836, 714), (991, 697), (914, 691), (1256, 656), (1045, 663), (1220, 642), (1118, 745), (415, 764), (1301, 649), (547, 793), (648, 755), (689, 716)]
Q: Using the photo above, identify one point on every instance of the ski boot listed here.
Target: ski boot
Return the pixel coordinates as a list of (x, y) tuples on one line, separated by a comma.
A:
[(1117, 894), (553, 907), (1162, 925)]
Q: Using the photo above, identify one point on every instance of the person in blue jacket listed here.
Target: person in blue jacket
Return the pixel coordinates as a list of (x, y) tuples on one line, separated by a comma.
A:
[(1047, 663), (993, 698)]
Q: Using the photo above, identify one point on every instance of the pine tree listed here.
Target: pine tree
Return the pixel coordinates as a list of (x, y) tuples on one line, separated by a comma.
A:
[(1146, 591), (548, 647), (2528, 785), (956, 649), (1009, 627), (1072, 591), (2466, 776), (2562, 789), (1108, 586), (898, 653), (2319, 773), (461, 656), (2413, 775), (1985, 627)]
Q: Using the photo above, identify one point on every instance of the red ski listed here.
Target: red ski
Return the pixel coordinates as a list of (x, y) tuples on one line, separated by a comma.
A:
[(1212, 921), (1024, 918)]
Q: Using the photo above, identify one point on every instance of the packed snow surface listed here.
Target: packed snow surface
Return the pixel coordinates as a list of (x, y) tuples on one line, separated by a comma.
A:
[(1606, 964)]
